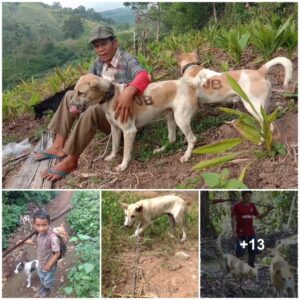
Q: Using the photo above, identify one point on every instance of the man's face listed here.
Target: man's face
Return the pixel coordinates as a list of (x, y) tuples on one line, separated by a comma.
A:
[(41, 225), (106, 49), (247, 198)]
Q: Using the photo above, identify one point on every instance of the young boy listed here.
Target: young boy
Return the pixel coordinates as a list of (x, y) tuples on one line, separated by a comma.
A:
[(243, 213), (48, 251)]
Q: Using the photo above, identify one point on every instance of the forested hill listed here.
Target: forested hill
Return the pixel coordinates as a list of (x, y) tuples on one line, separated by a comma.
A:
[(38, 37)]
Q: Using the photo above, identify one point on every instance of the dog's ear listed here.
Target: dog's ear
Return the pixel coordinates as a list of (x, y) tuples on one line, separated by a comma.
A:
[(95, 85), (124, 205), (139, 208)]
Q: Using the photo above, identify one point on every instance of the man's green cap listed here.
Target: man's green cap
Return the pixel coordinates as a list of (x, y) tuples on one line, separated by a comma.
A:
[(101, 33)]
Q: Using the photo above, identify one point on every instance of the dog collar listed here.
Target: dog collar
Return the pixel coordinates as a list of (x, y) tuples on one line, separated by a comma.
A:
[(188, 65), (109, 94)]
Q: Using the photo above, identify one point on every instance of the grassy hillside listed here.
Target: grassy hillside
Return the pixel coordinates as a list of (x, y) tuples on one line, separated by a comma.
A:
[(34, 41), (120, 15)]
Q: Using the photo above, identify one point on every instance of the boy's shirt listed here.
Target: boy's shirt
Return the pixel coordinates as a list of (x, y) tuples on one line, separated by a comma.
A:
[(244, 217), (46, 244)]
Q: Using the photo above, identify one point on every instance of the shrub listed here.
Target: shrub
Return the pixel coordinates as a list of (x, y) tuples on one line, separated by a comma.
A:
[(83, 278)]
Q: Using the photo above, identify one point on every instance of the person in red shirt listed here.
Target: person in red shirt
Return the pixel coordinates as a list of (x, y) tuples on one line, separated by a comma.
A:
[(243, 230)]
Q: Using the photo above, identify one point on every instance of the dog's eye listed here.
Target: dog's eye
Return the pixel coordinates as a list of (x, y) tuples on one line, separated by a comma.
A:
[(132, 216), (79, 93)]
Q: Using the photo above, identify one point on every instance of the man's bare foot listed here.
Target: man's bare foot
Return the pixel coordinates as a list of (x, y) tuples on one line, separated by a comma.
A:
[(60, 170)]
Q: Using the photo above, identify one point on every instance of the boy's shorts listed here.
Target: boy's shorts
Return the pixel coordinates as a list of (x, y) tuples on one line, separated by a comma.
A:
[(47, 278)]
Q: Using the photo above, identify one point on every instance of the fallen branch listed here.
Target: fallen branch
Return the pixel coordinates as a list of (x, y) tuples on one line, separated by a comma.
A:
[(105, 150), (32, 234), (135, 272)]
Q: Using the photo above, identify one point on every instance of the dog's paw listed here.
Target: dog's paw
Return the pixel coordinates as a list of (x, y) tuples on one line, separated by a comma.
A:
[(121, 168), (109, 157), (159, 150), (184, 158)]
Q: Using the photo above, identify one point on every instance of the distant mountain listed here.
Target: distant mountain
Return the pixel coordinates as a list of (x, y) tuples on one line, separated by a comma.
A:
[(34, 39), (120, 15)]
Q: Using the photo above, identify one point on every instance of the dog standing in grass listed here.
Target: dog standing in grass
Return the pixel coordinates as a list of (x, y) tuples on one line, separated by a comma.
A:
[(144, 211), (214, 86)]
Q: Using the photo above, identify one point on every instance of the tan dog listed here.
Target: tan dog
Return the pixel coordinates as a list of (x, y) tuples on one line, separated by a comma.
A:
[(230, 264), (61, 231), (214, 86), (176, 96), (282, 277), (144, 211)]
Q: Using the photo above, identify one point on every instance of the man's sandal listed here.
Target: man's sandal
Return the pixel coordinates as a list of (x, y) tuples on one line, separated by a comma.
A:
[(46, 155), (61, 174)]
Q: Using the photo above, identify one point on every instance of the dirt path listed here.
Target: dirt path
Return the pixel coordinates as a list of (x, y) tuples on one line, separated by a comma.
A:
[(15, 285), (161, 273)]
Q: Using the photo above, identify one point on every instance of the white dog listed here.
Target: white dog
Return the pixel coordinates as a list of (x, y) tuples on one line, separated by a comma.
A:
[(144, 211), (282, 276), (214, 86), (230, 264), (28, 268), (178, 97)]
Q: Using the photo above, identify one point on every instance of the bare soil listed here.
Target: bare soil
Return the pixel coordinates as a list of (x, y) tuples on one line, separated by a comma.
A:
[(165, 171), (14, 285)]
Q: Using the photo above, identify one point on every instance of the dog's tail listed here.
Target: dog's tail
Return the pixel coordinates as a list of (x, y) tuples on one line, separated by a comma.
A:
[(218, 244), (285, 62)]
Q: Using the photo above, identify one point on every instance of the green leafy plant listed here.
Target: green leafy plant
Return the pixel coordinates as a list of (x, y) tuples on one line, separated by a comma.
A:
[(234, 41), (290, 37), (223, 180), (83, 277), (257, 130), (249, 127), (268, 38)]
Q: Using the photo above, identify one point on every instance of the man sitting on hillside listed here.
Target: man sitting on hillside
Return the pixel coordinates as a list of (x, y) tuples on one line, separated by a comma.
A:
[(112, 64)]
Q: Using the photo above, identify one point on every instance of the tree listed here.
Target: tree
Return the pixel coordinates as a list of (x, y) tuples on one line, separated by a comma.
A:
[(207, 228), (73, 27), (56, 5)]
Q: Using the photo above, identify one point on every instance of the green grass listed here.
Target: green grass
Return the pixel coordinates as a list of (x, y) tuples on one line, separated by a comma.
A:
[(116, 238), (155, 135)]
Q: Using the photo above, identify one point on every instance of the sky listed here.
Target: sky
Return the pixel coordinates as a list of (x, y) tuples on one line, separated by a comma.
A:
[(101, 5)]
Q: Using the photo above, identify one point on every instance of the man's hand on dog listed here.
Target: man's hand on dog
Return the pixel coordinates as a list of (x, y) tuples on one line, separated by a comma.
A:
[(124, 104)]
